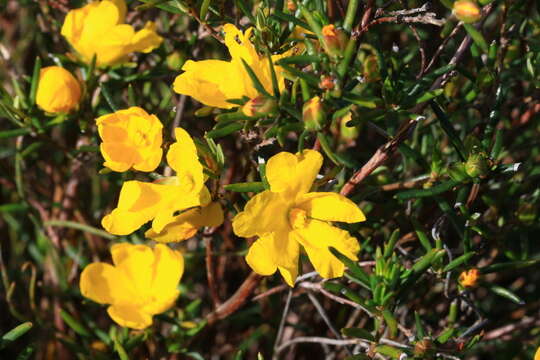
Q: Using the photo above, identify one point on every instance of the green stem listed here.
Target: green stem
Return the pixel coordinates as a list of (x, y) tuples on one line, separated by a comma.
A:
[(350, 15)]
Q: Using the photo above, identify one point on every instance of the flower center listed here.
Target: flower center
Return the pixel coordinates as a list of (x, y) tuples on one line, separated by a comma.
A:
[(140, 138), (297, 218)]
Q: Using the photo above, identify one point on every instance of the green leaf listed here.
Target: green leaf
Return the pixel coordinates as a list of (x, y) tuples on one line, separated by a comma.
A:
[(505, 293), (388, 350), (512, 265), (204, 9), (108, 97), (256, 187), (420, 193), (355, 270), (325, 145), (255, 80), (446, 335), (449, 130), (477, 37), (391, 322), (35, 81), (358, 333), (74, 324), (299, 60), (458, 261), (15, 333), (6, 134), (79, 226), (224, 131)]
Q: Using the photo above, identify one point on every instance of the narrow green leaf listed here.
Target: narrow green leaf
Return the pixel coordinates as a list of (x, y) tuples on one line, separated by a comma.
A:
[(255, 80), (358, 333), (74, 324), (458, 261), (35, 81), (446, 335), (13, 133), (477, 37), (391, 322), (353, 267), (242, 6), (449, 130), (388, 350), (325, 144), (108, 97), (281, 16), (256, 187), (420, 333), (204, 9), (420, 193), (512, 265), (79, 226), (224, 131), (505, 293), (15, 333), (299, 60)]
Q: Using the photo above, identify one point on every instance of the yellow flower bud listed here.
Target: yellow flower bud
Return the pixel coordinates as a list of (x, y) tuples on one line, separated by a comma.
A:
[(477, 165), (469, 278), (467, 11), (98, 29), (131, 139), (334, 40), (259, 106), (313, 114), (58, 91)]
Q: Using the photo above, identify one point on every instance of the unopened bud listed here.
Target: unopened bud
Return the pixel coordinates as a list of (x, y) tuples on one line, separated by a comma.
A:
[(469, 278), (291, 6), (423, 348), (371, 69), (327, 82), (175, 61), (467, 11), (334, 39), (457, 172), (313, 114), (477, 165), (259, 106)]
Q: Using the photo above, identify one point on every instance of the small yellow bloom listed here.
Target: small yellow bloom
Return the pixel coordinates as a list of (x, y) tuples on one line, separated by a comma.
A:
[(131, 139), (98, 29), (141, 202), (141, 283), (467, 11), (469, 278), (288, 215), (186, 225), (213, 82), (537, 354), (58, 91)]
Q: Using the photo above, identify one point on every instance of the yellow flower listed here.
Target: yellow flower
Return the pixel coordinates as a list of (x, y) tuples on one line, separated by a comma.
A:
[(141, 283), (131, 139), (213, 82), (141, 202), (186, 225), (98, 29), (537, 354), (288, 215), (469, 278), (58, 91)]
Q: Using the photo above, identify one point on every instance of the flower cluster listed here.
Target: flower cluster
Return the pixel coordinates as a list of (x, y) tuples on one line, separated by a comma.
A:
[(287, 218)]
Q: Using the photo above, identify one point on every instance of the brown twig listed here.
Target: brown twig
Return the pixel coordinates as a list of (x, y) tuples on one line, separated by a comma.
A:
[(210, 271), (236, 301)]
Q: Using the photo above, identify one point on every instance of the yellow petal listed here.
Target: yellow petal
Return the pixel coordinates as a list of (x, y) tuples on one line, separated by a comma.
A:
[(261, 256), (129, 316), (293, 174), (265, 212), (183, 158), (104, 284), (185, 225), (136, 262), (537, 354), (330, 207), (239, 45), (149, 163), (118, 157), (211, 82), (316, 237), (58, 91), (139, 203), (146, 39), (275, 251), (168, 268)]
